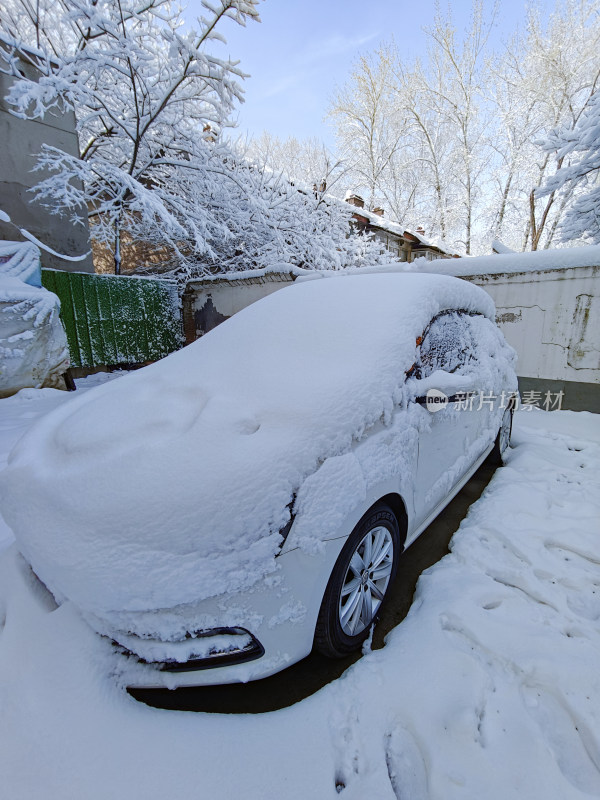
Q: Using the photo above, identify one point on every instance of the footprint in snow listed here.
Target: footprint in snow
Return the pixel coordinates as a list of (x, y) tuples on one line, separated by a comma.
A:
[(574, 746), (405, 766)]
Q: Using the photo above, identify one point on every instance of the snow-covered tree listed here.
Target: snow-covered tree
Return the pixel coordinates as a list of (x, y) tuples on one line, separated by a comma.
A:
[(455, 84), (369, 135), (422, 189), (270, 220), (577, 150), (307, 162), (416, 133), (542, 79), (155, 169), (452, 140), (150, 100)]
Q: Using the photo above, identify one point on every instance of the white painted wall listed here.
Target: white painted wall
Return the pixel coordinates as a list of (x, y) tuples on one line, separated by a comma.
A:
[(552, 319), (230, 296)]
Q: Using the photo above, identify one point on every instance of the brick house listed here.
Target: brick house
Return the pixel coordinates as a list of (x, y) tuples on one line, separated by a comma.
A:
[(406, 245)]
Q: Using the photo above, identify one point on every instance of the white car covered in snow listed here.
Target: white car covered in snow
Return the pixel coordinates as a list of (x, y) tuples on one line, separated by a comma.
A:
[(221, 512)]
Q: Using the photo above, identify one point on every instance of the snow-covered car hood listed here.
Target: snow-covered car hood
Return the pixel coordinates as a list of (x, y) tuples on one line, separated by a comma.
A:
[(171, 484)]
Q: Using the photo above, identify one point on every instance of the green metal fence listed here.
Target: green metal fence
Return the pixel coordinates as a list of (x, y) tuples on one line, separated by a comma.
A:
[(112, 319)]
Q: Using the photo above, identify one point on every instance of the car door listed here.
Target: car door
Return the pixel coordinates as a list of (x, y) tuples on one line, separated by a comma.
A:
[(449, 428)]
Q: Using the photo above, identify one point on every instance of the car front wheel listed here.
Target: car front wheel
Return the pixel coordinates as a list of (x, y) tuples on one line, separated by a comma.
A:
[(359, 583)]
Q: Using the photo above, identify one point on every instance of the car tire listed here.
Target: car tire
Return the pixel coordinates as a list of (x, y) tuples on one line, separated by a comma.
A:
[(496, 457), (359, 584)]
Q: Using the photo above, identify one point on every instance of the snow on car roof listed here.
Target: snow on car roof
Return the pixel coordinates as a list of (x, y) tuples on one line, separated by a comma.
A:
[(170, 485)]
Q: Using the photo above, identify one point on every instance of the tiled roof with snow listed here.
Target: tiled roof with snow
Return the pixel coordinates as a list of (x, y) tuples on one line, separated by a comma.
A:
[(398, 230)]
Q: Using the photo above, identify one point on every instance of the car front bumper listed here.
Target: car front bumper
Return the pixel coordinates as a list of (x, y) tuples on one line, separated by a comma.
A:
[(274, 622)]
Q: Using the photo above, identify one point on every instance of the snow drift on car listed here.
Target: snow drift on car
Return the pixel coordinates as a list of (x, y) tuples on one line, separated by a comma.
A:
[(171, 485)]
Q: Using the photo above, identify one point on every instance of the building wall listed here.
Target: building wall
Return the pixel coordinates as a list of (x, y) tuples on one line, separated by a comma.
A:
[(20, 141), (207, 303), (552, 319)]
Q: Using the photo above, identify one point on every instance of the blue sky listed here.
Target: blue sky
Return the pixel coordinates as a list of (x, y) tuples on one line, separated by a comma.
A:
[(303, 49)]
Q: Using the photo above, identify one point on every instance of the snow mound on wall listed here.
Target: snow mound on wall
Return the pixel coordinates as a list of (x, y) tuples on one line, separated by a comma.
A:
[(503, 263), (500, 247), (171, 485), (20, 260), (33, 344)]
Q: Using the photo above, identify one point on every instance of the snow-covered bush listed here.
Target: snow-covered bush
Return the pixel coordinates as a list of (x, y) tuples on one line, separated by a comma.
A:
[(33, 344)]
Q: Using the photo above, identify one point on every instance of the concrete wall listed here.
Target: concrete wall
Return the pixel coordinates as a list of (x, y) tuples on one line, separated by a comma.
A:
[(552, 319), (20, 141), (207, 303)]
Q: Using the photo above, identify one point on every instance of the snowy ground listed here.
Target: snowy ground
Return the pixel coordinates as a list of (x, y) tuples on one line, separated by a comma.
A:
[(489, 689)]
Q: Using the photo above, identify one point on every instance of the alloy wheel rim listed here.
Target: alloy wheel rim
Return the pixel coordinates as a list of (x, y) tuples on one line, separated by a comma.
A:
[(366, 581)]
